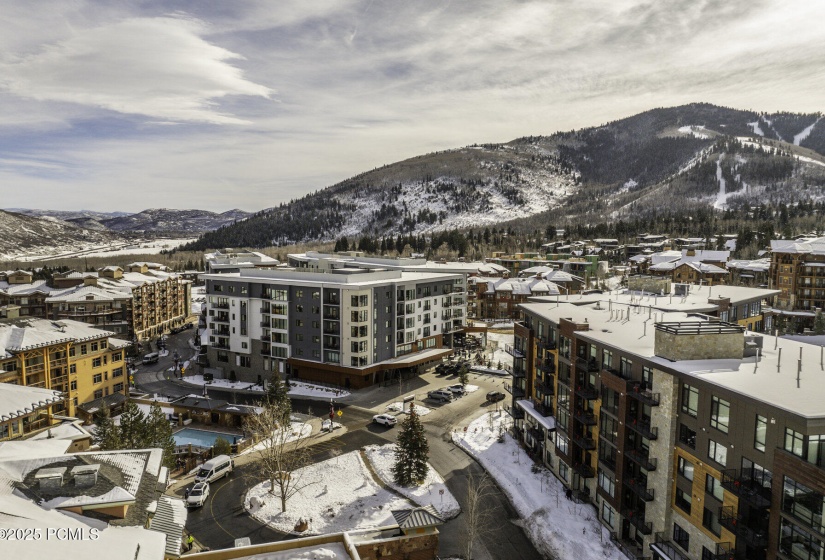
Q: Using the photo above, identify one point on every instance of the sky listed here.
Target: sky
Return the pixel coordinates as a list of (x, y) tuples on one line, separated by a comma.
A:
[(123, 105)]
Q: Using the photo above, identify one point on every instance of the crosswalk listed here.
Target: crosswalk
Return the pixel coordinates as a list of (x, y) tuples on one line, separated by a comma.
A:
[(325, 446)]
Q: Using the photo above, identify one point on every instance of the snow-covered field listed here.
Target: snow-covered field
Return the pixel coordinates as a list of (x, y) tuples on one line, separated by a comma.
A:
[(298, 430), (495, 349), (557, 527), (296, 389), (337, 495), (146, 247), (698, 131), (432, 492)]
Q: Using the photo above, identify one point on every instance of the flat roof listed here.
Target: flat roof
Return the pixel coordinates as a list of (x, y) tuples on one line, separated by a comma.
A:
[(361, 277), (771, 378)]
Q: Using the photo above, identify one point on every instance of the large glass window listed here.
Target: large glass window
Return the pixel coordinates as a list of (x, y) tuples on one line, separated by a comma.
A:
[(690, 400), (761, 433), (816, 450), (681, 537), (711, 521), (718, 452), (685, 468), (607, 484), (804, 504), (797, 544), (687, 436), (719, 414), (714, 487), (561, 443), (683, 500), (794, 442), (609, 428)]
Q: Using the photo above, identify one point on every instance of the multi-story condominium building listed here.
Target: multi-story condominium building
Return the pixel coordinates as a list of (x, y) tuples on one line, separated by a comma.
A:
[(139, 303), (798, 272), (498, 298), (755, 273), (82, 362), (348, 326), (691, 437), (26, 410)]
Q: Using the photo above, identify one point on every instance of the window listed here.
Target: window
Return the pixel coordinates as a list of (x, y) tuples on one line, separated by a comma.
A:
[(718, 452), (98, 378), (223, 356), (117, 372), (607, 484), (683, 500), (816, 450), (708, 554), (73, 385), (761, 433), (73, 368), (719, 414), (117, 356), (98, 394), (714, 487), (647, 377), (608, 514), (563, 471), (96, 362), (794, 442), (711, 522), (299, 323), (796, 543), (685, 468), (687, 436), (83, 350), (561, 443), (118, 388), (244, 361), (803, 504), (690, 400), (94, 347), (681, 537), (71, 352)]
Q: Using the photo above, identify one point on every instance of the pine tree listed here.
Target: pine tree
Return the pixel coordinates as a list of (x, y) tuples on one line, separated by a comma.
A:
[(411, 453), (277, 393), (132, 427), (158, 433), (107, 435)]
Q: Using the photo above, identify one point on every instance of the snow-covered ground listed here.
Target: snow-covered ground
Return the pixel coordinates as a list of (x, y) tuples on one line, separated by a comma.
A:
[(557, 527), (815, 339), (329, 551), (336, 495), (495, 349), (198, 299), (399, 408), (298, 430), (756, 128), (698, 131), (433, 491), (805, 132), (296, 389), (115, 248)]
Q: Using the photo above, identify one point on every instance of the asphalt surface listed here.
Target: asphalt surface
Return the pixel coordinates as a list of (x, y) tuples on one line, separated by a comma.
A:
[(223, 519)]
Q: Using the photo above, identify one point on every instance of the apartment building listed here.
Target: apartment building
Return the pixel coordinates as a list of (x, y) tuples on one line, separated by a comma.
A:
[(347, 326), (26, 410), (138, 302), (231, 260), (691, 437), (82, 362), (498, 298), (798, 272)]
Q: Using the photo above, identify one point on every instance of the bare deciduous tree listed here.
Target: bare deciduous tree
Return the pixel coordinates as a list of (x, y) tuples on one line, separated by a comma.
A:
[(280, 455), (477, 516)]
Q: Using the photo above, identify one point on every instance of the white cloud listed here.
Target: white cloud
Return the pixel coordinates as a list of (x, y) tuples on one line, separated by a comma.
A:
[(158, 67)]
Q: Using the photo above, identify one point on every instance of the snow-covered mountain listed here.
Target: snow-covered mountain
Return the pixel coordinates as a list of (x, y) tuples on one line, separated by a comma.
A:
[(658, 161), (167, 221), (20, 233)]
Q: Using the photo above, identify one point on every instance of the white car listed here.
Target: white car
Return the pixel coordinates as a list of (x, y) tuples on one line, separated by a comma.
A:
[(442, 395), (457, 389), (197, 495), (385, 419)]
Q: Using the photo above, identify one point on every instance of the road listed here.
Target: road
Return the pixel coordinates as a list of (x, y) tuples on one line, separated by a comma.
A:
[(223, 519)]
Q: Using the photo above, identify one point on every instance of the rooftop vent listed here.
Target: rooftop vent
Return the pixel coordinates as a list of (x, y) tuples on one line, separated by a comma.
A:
[(50, 479), (85, 476)]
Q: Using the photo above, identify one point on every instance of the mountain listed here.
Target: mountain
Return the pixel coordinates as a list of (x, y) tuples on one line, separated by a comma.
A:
[(20, 233), (693, 158), (173, 222)]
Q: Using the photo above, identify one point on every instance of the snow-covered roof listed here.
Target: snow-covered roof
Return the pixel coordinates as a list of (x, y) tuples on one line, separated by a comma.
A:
[(86, 293), (811, 246), (19, 400), (758, 265), (705, 255), (21, 334), (519, 286), (36, 287), (547, 422), (68, 430), (170, 519), (417, 518)]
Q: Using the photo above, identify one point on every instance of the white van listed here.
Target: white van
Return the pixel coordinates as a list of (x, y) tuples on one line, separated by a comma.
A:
[(214, 469)]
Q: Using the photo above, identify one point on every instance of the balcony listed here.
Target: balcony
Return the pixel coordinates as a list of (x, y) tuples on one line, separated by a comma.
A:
[(628, 547), (587, 365), (587, 392), (664, 548), (641, 458), (545, 344), (748, 488), (724, 551), (220, 318), (514, 390), (586, 443), (548, 366), (513, 351), (586, 418), (334, 316), (636, 391), (219, 305), (728, 519), (516, 412), (644, 428), (637, 519), (615, 373), (641, 490), (583, 470), (328, 329), (545, 387), (543, 409)]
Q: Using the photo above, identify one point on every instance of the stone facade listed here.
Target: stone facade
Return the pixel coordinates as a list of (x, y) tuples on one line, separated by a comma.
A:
[(677, 347)]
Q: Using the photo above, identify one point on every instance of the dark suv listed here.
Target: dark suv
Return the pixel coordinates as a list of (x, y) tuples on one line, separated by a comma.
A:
[(495, 396)]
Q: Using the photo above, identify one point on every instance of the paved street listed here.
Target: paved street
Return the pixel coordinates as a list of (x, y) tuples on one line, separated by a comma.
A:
[(223, 519)]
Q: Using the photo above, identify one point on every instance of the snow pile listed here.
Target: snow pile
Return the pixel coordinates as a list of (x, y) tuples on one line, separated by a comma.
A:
[(382, 459), (336, 495), (330, 551), (470, 388), (400, 408), (557, 527)]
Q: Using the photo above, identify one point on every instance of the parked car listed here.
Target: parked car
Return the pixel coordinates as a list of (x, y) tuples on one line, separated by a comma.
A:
[(197, 495), (442, 395), (385, 419), (442, 369), (457, 389), (495, 396)]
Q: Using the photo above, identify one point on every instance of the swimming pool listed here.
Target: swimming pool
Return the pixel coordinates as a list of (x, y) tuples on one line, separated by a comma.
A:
[(200, 438)]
